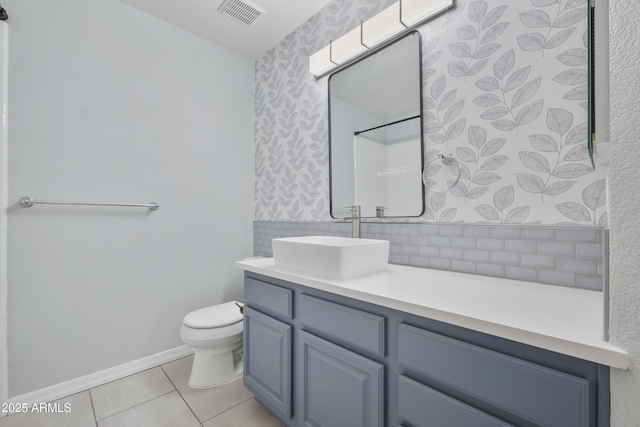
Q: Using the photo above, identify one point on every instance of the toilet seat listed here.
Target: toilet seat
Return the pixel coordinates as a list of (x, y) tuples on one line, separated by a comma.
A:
[(216, 316)]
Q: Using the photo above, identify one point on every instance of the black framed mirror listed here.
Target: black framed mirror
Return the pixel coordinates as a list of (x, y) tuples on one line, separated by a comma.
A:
[(375, 133)]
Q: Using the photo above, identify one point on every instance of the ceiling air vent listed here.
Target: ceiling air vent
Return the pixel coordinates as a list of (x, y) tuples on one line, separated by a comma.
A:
[(242, 11)]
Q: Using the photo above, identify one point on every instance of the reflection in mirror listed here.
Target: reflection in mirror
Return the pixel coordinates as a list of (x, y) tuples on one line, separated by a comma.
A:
[(375, 108)]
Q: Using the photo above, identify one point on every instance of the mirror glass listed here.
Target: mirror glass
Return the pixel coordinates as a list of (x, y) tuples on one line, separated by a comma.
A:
[(375, 140)]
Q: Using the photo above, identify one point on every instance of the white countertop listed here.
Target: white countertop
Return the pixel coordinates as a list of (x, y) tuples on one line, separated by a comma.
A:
[(556, 318)]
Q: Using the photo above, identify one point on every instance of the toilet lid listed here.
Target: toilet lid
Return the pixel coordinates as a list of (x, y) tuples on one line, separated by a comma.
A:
[(215, 316)]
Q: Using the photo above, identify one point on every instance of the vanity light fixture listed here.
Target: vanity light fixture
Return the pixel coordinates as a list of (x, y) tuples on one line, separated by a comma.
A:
[(415, 12), (390, 22), (347, 46), (382, 26), (320, 62)]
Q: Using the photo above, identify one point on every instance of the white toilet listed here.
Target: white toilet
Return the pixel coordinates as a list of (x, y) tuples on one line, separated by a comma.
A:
[(216, 334)]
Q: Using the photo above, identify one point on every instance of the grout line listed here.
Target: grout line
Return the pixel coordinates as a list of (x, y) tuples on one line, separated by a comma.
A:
[(187, 403), (93, 408), (146, 401), (181, 396), (228, 409), (137, 404), (121, 378)]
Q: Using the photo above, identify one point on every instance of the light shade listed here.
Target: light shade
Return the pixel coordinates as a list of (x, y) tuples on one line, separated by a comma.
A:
[(320, 62), (393, 20), (383, 26), (347, 46), (416, 11)]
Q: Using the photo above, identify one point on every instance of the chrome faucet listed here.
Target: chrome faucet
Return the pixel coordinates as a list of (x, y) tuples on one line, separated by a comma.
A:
[(355, 221)]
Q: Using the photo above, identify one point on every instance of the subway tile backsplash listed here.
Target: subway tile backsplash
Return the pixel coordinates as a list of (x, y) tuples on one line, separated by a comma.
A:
[(555, 255)]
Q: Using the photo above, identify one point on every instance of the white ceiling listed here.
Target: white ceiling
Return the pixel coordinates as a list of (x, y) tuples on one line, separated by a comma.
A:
[(201, 17)]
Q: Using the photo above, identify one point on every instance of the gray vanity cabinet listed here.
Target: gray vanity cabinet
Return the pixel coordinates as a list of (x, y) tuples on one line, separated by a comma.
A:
[(336, 386), (318, 359)]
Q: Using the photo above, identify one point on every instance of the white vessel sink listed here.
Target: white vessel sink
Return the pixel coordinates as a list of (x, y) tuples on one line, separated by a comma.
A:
[(331, 257)]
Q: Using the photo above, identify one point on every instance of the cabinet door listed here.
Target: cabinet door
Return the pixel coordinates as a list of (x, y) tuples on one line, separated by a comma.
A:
[(267, 360), (340, 388)]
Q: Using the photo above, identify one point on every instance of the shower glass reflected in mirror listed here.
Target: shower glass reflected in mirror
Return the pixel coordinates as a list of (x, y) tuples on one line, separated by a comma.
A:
[(375, 140)]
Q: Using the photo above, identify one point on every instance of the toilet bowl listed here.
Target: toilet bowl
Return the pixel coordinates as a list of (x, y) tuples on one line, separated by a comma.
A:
[(216, 335)]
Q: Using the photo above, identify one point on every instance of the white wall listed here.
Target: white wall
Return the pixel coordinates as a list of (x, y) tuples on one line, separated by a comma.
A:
[(110, 104), (624, 200)]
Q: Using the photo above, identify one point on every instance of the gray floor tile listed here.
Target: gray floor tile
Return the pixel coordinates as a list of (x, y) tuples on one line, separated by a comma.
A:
[(247, 414), (208, 402), (122, 394), (79, 415), (168, 410)]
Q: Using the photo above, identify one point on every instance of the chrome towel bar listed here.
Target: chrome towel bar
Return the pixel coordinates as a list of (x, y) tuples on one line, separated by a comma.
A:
[(27, 202)]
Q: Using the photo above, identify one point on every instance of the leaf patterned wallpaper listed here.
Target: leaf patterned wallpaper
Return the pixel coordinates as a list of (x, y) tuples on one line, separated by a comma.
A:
[(504, 89)]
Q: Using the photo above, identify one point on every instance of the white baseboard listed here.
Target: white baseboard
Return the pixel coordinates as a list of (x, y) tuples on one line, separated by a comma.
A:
[(77, 385)]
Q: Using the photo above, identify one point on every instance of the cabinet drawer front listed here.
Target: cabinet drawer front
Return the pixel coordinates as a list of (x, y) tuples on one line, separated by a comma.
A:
[(533, 392), (267, 360), (339, 387), (270, 298), (343, 324), (423, 406)]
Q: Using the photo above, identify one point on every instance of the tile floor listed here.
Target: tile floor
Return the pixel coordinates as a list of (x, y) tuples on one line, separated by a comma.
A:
[(158, 397)]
